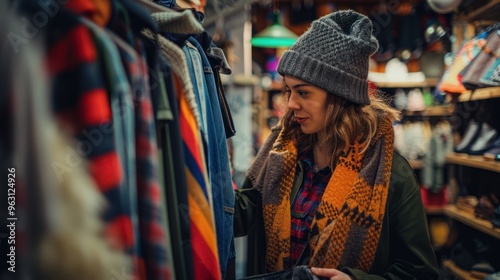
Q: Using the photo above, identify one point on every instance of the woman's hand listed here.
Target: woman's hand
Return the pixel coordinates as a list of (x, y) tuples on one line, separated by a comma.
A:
[(331, 273)]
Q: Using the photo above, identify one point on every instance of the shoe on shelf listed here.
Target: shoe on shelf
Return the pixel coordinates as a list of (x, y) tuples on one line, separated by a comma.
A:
[(494, 276), (485, 208), (486, 140), (482, 269), (472, 132)]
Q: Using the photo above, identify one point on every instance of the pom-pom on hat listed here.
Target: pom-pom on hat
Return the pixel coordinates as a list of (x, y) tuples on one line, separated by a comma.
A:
[(333, 55)]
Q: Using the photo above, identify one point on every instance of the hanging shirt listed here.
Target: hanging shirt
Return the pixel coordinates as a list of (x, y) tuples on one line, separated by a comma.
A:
[(81, 104), (218, 156)]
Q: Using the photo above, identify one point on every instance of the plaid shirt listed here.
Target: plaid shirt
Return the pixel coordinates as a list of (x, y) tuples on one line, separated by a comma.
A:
[(148, 187), (151, 231), (304, 206)]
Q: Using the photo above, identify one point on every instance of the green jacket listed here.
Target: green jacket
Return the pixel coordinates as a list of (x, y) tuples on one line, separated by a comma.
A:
[(404, 250)]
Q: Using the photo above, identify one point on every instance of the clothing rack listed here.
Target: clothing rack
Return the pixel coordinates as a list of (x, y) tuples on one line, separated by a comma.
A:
[(166, 203)]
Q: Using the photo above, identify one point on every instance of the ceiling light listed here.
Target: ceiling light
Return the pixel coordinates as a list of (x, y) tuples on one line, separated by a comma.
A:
[(274, 36)]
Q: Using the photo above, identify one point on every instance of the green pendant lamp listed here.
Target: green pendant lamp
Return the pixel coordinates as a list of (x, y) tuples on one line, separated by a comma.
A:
[(274, 36)]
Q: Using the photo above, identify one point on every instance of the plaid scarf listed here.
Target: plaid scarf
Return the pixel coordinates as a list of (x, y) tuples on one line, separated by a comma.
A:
[(346, 228)]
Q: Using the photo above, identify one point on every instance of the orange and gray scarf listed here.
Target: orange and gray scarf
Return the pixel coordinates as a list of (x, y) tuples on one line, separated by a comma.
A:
[(346, 228)]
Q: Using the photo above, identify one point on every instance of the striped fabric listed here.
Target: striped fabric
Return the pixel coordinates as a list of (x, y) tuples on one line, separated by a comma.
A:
[(205, 256), (81, 104), (203, 238)]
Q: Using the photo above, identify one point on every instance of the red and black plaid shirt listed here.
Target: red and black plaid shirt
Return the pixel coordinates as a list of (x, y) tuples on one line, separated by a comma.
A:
[(304, 206)]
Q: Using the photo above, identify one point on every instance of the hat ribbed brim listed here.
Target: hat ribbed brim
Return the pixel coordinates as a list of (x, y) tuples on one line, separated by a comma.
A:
[(327, 77)]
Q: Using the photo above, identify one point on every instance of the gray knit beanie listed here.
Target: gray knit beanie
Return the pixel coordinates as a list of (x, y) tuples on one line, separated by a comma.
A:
[(333, 55)]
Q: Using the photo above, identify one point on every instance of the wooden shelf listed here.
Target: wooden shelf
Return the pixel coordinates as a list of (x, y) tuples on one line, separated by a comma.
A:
[(434, 210), (488, 11), (480, 94), (426, 83), (433, 111), (457, 271), (473, 161), (482, 225)]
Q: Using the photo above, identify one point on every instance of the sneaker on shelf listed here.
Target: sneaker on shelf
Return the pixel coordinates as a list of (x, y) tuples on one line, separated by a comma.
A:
[(482, 269), (472, 132), (487, 139), (494, 276)]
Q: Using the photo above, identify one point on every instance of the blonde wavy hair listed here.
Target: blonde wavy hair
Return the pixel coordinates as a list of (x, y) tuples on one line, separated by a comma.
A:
[(345, 123)]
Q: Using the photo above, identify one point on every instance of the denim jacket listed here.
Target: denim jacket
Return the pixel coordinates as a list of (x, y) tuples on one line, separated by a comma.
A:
[(218, 157)]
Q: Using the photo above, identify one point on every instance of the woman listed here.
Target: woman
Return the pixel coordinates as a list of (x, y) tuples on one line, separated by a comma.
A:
[(327, 189)]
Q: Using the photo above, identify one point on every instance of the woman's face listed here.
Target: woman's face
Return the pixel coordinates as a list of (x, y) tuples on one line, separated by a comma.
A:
[(308, 103)]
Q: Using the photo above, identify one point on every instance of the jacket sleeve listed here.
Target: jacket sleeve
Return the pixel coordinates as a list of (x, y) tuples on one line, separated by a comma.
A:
[(247, 208), (410, 253)]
